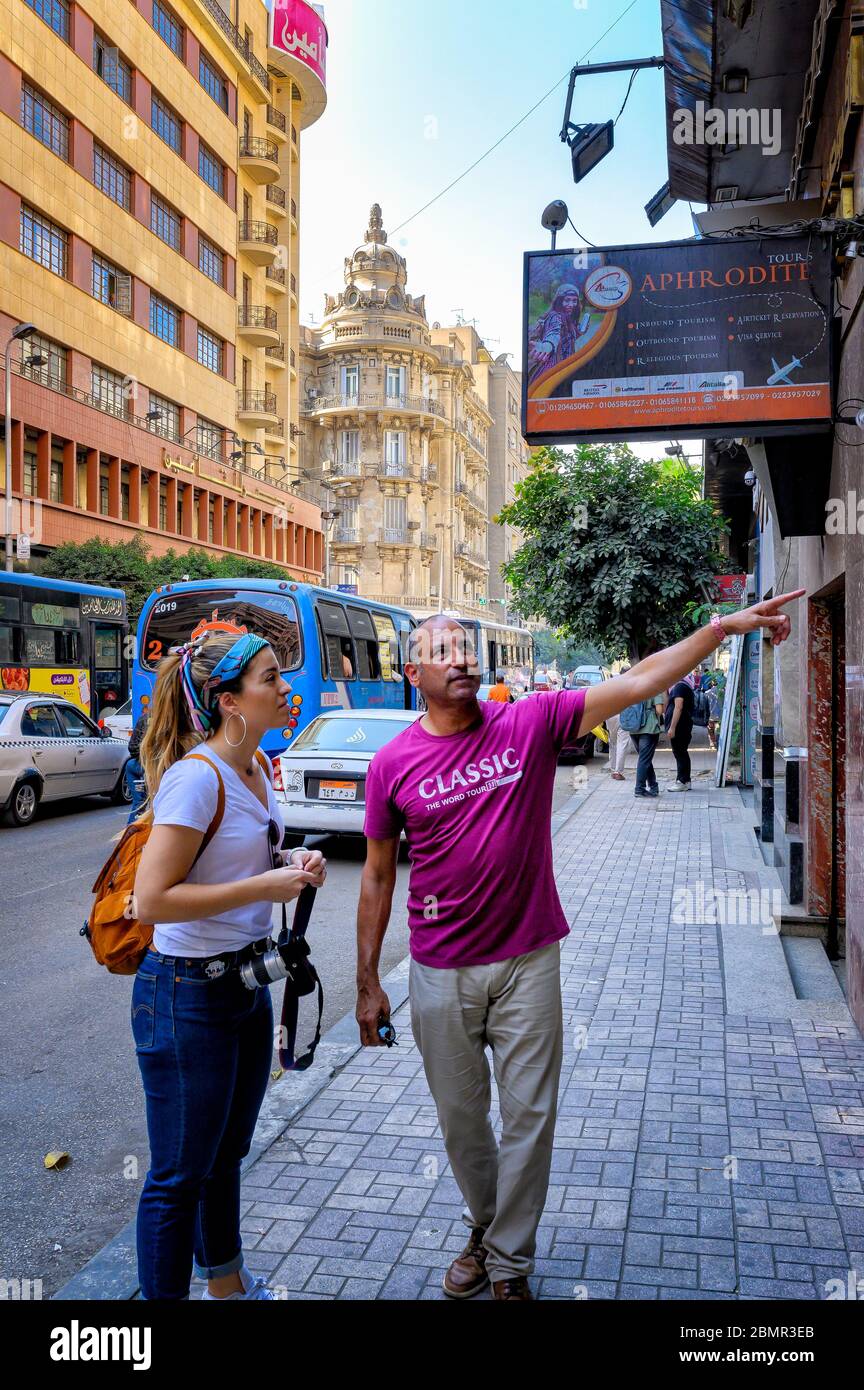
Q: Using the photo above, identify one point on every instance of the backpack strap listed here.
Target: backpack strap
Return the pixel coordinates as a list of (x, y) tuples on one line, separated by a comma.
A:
[(265, 763), (220, 805)]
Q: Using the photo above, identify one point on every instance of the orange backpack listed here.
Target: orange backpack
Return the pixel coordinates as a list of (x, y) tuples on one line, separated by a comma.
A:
[(117, 938)]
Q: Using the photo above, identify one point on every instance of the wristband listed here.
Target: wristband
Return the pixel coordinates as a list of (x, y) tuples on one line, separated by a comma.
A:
[(719, 630)]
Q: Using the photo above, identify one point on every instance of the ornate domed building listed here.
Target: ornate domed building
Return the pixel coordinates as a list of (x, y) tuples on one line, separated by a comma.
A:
[(396, 435)]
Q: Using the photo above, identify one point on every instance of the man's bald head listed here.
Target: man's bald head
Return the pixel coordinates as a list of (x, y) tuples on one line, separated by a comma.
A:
[(430, 637)]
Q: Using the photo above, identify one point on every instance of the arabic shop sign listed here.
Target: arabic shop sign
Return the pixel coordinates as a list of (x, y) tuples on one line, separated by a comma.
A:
[(690, 338), (299, 31)]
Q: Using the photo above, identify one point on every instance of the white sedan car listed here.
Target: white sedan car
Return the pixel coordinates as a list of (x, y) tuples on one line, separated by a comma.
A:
[(324, 772)]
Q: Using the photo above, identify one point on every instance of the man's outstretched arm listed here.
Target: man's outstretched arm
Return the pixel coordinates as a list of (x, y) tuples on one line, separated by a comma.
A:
[(663, 669)]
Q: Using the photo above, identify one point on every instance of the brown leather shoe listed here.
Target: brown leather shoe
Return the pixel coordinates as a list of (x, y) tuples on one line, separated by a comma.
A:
[(467, 1274), (516, 1290)]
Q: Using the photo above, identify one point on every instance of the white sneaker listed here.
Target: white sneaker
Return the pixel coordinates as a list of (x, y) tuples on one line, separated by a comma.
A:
[(679, 787), (254, 1287)]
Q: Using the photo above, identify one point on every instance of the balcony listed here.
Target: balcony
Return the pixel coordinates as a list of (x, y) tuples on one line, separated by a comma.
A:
[(428, 540), (293, 284), (429, 474), (396, 535), (257, 408), (259, 241), (237, 42), (346, 535), (394, 468), (259, 158), (277, 278), (464, 493), (468, 556), (373, 400), (294, 154), (256, 323), (343, 468), (277, 126), (277, 200), (276, 355), (294, 214), (274, 428)]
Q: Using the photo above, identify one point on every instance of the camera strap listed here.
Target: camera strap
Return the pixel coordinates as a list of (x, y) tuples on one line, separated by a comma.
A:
[(292, 994)]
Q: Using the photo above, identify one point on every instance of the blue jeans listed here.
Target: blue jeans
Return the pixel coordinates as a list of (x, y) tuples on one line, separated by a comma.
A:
[(645, 775), (133, 771), (204, 1050)]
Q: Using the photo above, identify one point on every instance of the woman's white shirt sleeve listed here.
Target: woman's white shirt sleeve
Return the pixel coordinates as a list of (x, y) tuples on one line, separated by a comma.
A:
[(188, 795)]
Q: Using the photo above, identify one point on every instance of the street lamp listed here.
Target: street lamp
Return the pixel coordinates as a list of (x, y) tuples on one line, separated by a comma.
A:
[(24, 330)]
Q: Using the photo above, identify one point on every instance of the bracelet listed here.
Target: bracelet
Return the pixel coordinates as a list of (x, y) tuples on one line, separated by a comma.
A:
[(719, 631)]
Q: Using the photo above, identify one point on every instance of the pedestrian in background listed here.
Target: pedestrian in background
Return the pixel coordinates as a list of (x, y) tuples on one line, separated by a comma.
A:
[(679, 727), (134, 772), (500, 692), (646, 739), (715, 712), (619, 742)]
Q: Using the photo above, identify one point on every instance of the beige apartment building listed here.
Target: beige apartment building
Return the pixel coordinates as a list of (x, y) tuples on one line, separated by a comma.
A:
[(149, 231), (402, 441)]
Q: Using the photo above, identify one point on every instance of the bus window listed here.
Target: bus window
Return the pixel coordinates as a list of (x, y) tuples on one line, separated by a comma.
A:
[(366, 644), (341, 662), (172, 620), (38, 647), (108, 675), (388, 647), (6, 645)]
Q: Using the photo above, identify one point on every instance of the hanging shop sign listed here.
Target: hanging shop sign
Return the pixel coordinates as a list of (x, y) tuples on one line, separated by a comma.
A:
[(687, 338)]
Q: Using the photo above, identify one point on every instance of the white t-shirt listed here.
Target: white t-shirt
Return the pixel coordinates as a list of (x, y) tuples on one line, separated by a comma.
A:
[(188, 795)]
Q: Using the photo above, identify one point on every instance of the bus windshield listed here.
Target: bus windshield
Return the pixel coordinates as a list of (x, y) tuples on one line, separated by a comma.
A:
[(173, 620)]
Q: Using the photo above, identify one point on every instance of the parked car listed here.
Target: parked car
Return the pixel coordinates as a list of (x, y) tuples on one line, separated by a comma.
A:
[(323, 774), (50, 750), (117, 721), (591, 675)]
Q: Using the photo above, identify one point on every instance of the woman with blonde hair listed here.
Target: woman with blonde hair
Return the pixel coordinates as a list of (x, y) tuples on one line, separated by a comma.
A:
[(208, 882)]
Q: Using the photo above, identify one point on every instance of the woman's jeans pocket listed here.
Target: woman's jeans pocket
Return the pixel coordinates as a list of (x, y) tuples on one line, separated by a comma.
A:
[(144, 1011)]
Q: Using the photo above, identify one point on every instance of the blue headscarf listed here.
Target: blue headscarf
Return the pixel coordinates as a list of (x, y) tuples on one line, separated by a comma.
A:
[(228, 668)]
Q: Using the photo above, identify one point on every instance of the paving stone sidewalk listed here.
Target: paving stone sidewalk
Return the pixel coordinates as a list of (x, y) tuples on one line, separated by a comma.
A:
[(663, 1093)]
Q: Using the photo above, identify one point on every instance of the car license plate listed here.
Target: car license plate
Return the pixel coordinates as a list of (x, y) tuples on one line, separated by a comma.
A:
[(337, 791)]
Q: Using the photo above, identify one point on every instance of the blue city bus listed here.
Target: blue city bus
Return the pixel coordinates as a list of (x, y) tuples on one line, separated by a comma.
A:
[(336, 650)]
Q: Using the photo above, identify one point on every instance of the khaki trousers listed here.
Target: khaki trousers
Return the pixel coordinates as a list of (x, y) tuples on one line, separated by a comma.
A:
[(514, 1007)]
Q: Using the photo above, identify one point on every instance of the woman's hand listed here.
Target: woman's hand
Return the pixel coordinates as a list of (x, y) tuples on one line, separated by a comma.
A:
[(284, 885)]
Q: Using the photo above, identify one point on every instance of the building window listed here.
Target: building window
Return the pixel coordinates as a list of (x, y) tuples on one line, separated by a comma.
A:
[(209, 350), (351, 382), (394, 451), (211, 261), (164, 320), (109, 390), (55, 482), (42, 241), (211, 169), (112, 286), (52, 371), (163, 507), (164, 221), (213, 82), (167, 421), (55, 14), (349, 447), (395, 384), (166, 123), (208, 439), (349, 574), (168, 27), (44, 120), (395, 513), (112, 177), (112, 68), (349, 508)]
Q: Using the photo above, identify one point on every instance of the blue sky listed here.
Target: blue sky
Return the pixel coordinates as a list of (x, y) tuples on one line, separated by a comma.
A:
[(417, 91)]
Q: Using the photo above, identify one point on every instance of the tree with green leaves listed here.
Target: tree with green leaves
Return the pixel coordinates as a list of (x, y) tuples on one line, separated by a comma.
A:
[(614, 548), (129, 565)]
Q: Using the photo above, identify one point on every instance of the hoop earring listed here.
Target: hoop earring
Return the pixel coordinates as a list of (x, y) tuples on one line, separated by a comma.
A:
[(227, 722)]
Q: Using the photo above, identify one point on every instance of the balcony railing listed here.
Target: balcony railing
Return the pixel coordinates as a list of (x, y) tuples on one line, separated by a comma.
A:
[(346, 468), (294, 208), (236, 38), (346, 535), (397, 535), (276, 273), (473, 497), (428, 472), (257, 147), (474, 557), (429, 540), (373, 400), (276, 350), (276, 118), (259, 231), (294, 134), (276, 194), (256, 316), (276, 430), (262, 402), (394, 468), (293, 283)]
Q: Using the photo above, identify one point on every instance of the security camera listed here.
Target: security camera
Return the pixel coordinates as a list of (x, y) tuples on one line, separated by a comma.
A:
[(750, 478), (555, 216)]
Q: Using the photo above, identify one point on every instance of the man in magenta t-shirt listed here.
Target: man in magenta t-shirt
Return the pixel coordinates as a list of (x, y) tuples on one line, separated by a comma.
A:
[(471, 784)]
